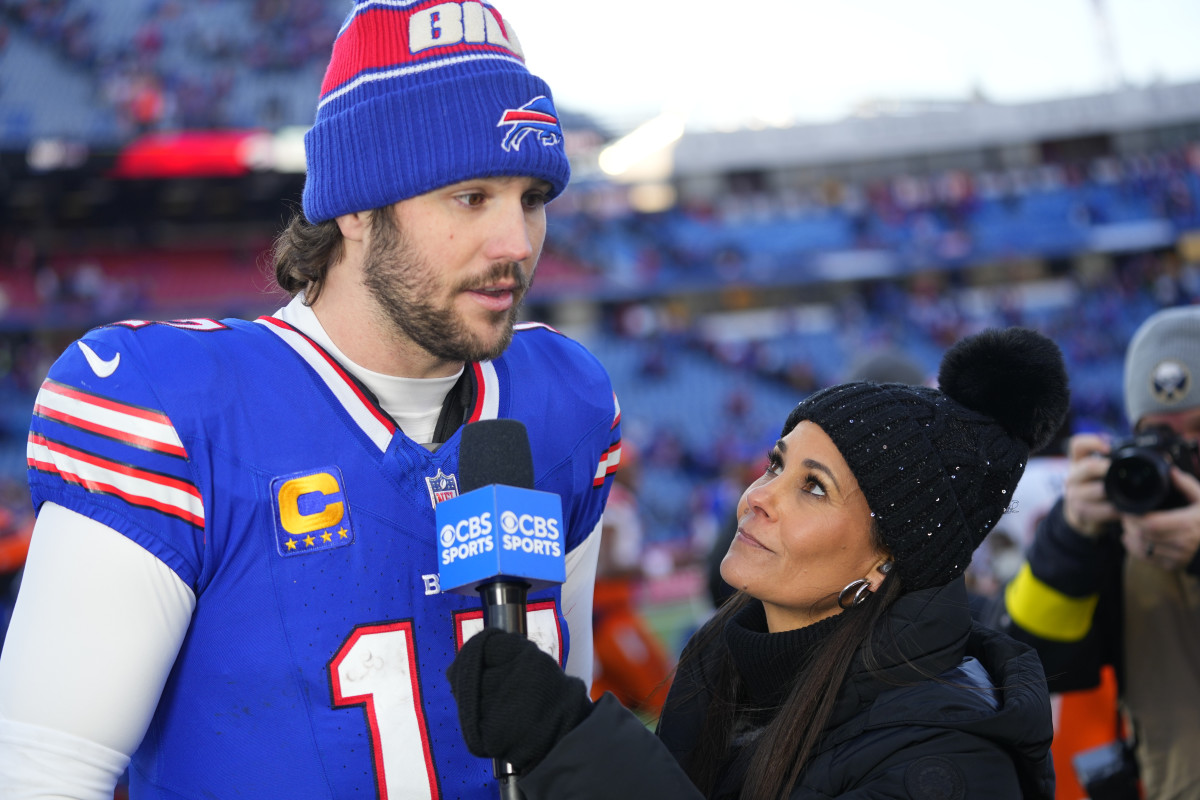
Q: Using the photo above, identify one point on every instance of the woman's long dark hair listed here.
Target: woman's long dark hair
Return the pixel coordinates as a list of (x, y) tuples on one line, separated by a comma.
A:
[(786, 743)]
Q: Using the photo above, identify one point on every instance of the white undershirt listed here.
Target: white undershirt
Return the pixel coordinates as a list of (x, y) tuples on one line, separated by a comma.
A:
[(414, 403), (99, 621)]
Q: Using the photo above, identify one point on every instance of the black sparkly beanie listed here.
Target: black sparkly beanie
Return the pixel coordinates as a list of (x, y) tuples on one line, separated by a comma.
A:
[(938, 466)]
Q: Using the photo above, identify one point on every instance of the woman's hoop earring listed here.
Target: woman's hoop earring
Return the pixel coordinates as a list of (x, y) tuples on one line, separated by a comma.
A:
[(855, 592)]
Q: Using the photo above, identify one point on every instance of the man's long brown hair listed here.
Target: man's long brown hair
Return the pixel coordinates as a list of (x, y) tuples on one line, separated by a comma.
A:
[(303, 253)]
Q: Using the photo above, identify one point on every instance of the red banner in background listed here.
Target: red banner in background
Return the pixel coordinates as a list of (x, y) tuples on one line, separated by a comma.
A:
[(194, 154)]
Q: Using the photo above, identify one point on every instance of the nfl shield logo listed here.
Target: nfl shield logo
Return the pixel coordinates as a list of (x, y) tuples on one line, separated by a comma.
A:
[(442, 487)]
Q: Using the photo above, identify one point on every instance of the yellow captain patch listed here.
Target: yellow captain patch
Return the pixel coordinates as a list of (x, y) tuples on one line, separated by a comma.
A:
[(311, 512)]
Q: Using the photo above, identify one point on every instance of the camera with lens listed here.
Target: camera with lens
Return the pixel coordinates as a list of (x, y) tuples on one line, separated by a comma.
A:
[(1139, 478)]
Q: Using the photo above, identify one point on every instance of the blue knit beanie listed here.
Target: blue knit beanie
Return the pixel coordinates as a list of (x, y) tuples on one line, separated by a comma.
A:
[(421, 94)]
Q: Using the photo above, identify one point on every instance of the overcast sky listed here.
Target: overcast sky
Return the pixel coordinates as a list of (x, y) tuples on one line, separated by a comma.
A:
[(779, 60)]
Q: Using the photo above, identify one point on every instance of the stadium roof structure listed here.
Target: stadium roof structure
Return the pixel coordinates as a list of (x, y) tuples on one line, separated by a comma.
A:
[(967, 126)]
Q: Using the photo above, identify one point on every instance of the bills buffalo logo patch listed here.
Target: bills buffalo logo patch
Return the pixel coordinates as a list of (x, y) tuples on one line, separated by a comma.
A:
[(536, 117)]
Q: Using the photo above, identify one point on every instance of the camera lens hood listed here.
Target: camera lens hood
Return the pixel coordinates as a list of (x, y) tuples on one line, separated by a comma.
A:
[(1138, 480)]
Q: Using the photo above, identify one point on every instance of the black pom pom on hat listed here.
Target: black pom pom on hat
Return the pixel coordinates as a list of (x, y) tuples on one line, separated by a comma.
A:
[(938, 466), (1014, 375)]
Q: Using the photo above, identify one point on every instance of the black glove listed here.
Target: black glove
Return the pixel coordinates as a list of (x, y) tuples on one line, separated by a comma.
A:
[(514, 701)]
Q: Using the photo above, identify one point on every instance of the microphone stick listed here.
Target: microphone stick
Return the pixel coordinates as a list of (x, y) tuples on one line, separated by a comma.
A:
[(497, 451)]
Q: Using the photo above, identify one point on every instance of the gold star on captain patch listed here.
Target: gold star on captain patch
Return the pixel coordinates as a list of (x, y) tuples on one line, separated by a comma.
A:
[(343, 534), (309, 541), (291, 544), (327, 537)]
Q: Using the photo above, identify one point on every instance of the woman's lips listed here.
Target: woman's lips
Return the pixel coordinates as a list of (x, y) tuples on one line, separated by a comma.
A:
[(750, 540)]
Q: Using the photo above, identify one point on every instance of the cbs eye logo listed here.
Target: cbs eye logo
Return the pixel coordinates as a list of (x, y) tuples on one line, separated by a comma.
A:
[(508, 522), (447, 536)]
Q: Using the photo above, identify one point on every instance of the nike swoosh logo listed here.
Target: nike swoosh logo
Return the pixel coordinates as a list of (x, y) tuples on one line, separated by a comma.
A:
[(99, 366)]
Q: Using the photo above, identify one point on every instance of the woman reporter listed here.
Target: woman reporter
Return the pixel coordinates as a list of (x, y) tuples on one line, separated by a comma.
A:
[(847, 665)]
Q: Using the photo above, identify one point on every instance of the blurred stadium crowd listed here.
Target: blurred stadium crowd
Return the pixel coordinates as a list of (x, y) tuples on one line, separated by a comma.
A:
[(713, 314), (166, 63)]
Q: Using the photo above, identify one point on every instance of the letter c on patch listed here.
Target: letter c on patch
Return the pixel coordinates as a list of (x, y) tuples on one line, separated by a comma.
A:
[(295, 522)]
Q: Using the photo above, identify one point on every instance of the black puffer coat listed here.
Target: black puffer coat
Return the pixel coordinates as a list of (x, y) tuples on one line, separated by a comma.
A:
[(950, 738)]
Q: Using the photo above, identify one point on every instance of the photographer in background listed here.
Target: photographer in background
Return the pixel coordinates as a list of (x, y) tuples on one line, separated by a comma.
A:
[(1113, 575)]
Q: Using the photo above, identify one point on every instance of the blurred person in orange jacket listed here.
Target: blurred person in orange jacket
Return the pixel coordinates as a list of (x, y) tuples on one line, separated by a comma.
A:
[(631, 661)]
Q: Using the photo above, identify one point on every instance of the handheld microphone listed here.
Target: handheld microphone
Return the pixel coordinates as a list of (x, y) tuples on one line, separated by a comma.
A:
[(500, 537)]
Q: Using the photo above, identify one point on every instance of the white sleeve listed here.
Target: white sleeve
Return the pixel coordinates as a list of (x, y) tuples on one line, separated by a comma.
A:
[(577, 594), (47, 764), (97, 625)]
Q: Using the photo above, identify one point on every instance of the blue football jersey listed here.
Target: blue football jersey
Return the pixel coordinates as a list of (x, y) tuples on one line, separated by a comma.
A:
[(247, 459)]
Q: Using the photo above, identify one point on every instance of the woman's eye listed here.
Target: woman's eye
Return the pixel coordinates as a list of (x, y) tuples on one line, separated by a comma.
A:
[(814, 486), (471, 198)]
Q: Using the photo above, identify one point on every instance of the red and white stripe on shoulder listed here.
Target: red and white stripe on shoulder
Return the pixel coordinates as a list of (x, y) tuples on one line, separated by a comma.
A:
[(143, 428), (612, 456), (139, 487), (608, 464)]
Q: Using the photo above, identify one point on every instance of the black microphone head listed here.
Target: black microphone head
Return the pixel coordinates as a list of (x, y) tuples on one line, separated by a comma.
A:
[(494, 451)]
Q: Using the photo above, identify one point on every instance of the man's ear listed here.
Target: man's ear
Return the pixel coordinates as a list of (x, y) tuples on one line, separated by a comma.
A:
[(354, 225)]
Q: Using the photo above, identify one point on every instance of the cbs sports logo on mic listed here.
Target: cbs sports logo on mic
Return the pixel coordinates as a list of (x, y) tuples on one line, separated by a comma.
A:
[(500, 530)]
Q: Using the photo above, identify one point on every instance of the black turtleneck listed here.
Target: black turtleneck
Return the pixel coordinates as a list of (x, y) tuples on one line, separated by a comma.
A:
[(768, 663)]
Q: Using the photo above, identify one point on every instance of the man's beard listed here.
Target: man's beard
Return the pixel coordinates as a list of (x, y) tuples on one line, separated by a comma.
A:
[(401, 281)]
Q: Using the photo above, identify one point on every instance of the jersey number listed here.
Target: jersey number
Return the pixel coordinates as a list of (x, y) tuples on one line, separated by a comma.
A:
[(376, 668)]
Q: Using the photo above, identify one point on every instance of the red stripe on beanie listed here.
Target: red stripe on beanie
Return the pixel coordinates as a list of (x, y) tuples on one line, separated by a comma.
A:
[(370, 45), (524, 115)]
